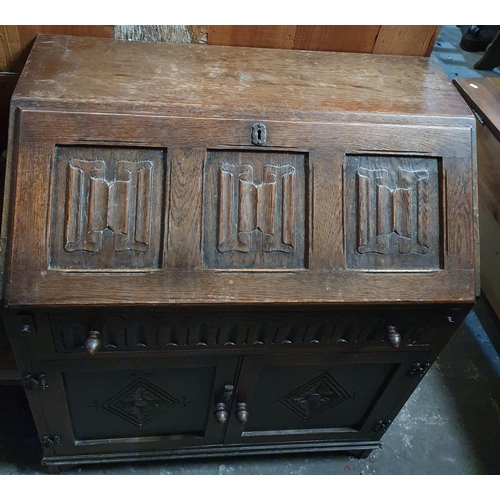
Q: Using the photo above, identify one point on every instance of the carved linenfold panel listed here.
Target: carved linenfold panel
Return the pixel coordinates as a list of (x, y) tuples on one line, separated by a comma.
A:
[(255, 210), (392, 212), (245, 207), (121, 206), (140, 402), (137, 332), (112, 199), (401, 210), (315, 397)]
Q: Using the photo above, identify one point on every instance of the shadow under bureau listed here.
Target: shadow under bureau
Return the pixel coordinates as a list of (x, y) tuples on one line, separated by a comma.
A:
[(222, 251)]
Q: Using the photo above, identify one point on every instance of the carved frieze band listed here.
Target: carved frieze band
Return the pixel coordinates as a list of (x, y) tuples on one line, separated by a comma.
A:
[(245, 207), (401, 209), (95, 204)]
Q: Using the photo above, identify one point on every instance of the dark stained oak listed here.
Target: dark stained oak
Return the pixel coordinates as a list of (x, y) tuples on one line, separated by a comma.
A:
[(215, 251)]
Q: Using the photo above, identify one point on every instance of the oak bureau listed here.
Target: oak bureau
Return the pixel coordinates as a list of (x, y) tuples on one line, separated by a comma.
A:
[(224, 251)]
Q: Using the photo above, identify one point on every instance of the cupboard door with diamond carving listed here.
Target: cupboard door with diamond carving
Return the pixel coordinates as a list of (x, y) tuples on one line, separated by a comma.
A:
[(318, 397), (132, 405)]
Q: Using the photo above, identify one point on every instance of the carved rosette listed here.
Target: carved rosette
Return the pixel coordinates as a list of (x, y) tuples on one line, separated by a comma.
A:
[(140, 402), (315, 397)]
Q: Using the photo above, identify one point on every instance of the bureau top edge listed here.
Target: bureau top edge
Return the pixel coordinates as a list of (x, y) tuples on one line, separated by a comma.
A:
[(83, 73)]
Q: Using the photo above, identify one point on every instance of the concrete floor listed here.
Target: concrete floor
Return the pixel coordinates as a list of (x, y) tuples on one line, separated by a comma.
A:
[(450, 425)]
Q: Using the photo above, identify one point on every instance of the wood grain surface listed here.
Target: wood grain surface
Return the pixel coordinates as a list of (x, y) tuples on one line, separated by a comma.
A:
[(488, 153), (247, 223), (406, 40), (198, 81), (401, 40), (16, 40), (483, 96)]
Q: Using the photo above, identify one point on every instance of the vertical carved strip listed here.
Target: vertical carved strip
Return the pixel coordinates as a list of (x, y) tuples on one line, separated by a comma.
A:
[(73, 207), (384, 217), (231, 177), (226, 227), (142, 219), (247, 201), (98, 202), (402, 203), (125, 207), (118, 207), (363, 212), (79, 235), (288, 209), (423, 212), (267, 202), (273, 235)]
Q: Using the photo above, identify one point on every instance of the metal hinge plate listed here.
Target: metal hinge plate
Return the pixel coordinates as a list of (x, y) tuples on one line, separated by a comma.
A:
[(419, 369), (382, 425), (48, 441), (31, 383)]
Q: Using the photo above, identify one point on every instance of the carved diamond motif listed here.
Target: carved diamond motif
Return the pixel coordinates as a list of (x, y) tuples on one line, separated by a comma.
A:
[(315, 397), (140, 402)]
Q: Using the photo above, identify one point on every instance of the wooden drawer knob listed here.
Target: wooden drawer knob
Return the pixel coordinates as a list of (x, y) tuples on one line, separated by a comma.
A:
[(392, 337), (221, 408), (220, 413), (92, 344), (242, 413)]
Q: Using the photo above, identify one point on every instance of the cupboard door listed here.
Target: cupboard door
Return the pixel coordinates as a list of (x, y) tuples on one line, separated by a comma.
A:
[(318, 397), (133, 405)]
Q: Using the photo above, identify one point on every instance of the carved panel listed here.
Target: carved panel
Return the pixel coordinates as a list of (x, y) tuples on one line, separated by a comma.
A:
[(107, 208), (392, 213), (140, 402), (315, 397), (255, 210)]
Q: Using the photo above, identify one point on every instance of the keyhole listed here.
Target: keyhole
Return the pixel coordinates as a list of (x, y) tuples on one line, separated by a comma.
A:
[(259, 134)]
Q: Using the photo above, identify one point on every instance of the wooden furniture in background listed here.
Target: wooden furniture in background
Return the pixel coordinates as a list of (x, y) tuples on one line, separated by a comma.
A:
[(483, 96), (16, 41), (227, 251), (396, 40)]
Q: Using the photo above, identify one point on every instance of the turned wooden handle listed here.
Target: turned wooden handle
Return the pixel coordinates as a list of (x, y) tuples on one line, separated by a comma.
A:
[(221, 413), (221, 408), (242, 413), (92, 344), (392, 337)]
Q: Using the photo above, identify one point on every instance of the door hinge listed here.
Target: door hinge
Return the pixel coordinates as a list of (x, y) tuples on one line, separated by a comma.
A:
[(48, 441), (381, 425), (31, 383), (419, 369)]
